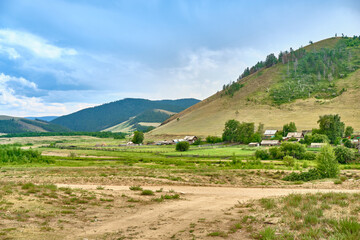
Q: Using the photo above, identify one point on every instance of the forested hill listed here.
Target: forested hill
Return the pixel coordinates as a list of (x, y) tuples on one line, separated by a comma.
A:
[(20, 125), (110, 114), (295, 86)]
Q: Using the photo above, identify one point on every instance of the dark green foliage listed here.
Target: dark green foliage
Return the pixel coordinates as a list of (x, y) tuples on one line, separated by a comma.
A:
[(15, 155), (309, 156), (271, 60), (111, 114), (344, 155), (295, 150), (213, 139), (17, 126), (231, 88), (238, 132), (316, 138), (276, 153), (197, 141), (290, 127), (331, 126), (314, 74), (312, 174), (182, 146), (347, 143), (327, 165), (262, 154), (352, 42), (118, 135), (138, 137), (231, 131), (256, 137), (349, 131)]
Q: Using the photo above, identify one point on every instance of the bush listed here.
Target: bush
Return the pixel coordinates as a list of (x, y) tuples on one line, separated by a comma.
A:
[(213, 139), (276, 153), (182, 146), (344, 155), (197, 141), (309, 156), (289, 161), (347, 143), (312, 174), (262, 154), (295, 150), (327, 164)]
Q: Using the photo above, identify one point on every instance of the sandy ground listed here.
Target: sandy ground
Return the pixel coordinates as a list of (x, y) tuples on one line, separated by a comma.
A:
[(161, 221)]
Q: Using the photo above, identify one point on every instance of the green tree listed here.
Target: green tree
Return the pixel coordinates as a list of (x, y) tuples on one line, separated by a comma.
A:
[(270, 60), (182, 146), (231, 131), (290, 127), (138, 137), (327, 165), (344, 155), (349, 131), (246, 132), (295, 150), (331, 126)]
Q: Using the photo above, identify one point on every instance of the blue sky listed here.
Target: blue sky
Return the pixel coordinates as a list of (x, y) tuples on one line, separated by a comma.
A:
[(59, 56)]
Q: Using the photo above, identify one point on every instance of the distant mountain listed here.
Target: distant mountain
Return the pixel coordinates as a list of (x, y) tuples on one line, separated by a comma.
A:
[(143, 122), (110, 114), (45, 118), (10, 124)]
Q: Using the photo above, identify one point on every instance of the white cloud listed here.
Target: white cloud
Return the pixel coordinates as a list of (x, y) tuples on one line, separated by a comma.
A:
[(11, 52), (12, 103), (37, 46)]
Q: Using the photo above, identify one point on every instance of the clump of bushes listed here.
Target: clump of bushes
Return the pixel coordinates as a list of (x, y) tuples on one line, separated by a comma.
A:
[(295, 150), (344, 155), (327, 167), (16, 155), (182, 146), (262, 154), (213, 139)]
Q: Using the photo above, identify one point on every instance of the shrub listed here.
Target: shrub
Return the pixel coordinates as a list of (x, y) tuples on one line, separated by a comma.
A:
[(347, 143), (344, 155), (147, 192), (289, 161), (276, 153), (295, 150), (327, 164), (262, 154), (213, 139), (310, 175), (182, 146), (197, 141), (309, 156)]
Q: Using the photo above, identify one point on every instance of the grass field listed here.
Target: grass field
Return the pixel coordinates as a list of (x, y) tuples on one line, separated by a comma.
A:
[(84, 189)]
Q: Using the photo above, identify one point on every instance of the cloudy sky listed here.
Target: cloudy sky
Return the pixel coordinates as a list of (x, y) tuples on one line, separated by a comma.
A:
[(59, 56)]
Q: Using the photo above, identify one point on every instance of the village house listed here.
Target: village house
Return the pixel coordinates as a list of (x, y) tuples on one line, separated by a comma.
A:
[(190, 139), (270, 134), (270, 143), (254, 144), (297, 135), (317, 145)]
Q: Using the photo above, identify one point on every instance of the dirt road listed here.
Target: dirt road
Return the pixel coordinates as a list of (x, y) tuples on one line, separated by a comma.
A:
[(161, 221)]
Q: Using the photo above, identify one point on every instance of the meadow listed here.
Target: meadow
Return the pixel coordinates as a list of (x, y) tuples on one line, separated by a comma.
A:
[(85, 184)]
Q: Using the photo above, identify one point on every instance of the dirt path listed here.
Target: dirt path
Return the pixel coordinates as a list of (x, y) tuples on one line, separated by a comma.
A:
[(161, 221)]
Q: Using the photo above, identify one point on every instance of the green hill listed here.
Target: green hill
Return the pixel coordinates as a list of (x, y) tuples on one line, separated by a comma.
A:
[(20, 125), (108, 115), (142, 122), (299, 85)]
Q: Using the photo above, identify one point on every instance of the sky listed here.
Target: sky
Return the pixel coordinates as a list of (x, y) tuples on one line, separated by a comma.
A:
[(60, 56)]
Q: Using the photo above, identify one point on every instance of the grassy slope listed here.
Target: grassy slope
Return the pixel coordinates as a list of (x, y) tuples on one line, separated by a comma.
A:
[(251, 104)]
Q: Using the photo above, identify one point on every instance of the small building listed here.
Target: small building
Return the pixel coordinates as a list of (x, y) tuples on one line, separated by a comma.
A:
[(317, 145), (129, 143), (297, 135), (190, 139), (268, 134), (254, 144), (270, 143)]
